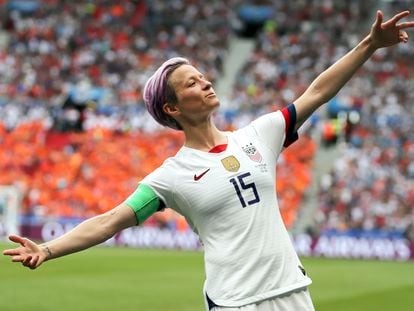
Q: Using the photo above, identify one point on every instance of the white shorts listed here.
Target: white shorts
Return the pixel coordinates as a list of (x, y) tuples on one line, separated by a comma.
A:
[(294, 301)]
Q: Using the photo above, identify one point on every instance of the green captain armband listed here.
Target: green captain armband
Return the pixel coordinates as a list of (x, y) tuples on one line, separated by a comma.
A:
[(144, 202)]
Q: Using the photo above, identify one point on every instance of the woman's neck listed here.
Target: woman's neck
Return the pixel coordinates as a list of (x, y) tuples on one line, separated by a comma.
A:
[(204, 137)]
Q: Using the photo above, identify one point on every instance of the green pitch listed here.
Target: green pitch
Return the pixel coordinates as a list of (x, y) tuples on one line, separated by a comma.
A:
[(116, 279)]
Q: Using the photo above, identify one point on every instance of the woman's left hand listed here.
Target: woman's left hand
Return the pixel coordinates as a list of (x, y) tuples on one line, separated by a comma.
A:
[(385, 34)]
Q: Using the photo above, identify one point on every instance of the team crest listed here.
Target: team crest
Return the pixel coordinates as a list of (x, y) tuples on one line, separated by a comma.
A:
[(253, 153), (231, 164)]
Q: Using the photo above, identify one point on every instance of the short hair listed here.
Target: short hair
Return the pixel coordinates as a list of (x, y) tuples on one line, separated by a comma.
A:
[(158, 91)]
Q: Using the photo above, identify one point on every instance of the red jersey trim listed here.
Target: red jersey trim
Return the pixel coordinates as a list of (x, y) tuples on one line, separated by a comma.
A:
[(289, 114), (218, 148)]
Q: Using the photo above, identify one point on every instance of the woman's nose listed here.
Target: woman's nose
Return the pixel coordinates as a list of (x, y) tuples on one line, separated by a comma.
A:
[(206, 84)]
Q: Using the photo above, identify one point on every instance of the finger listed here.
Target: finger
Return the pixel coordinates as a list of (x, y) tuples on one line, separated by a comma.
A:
[(396, 18), (17, 239), (26, 261), (405, 25), (34, 260), (17, 258), (12, 252), (378, 21)]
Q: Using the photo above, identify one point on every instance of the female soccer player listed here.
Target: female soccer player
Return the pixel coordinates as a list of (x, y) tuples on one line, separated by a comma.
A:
[(224, 184)]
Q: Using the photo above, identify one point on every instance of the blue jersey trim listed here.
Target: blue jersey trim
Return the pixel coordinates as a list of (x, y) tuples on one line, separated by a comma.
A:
[(291, 134), (210, 302)]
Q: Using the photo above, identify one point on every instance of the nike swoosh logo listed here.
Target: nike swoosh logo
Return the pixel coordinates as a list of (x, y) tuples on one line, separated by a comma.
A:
[(201, 175)]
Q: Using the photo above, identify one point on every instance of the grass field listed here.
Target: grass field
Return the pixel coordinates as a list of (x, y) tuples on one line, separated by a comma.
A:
[(121, 279)]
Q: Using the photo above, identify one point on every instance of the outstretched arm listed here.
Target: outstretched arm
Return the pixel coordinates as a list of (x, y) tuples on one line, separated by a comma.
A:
[(328, 83), (89, 233)]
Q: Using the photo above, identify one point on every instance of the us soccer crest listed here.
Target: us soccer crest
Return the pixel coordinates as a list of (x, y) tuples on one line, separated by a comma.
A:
[(252, 152), (231, 164)]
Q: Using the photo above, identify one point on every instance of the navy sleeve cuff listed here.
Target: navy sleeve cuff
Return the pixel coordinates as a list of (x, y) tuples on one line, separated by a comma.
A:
[(289, 113)]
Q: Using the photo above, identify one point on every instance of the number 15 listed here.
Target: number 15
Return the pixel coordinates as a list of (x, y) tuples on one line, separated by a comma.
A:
[(245, 186)]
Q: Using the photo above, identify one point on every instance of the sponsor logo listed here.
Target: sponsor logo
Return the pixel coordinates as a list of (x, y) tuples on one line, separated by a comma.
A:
[(198, 177)]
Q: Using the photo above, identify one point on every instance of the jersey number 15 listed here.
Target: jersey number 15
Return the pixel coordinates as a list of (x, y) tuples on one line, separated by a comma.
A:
[(239, 183)]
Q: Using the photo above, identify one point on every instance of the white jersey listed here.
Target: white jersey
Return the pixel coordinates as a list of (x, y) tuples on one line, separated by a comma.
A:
[(229, 199)]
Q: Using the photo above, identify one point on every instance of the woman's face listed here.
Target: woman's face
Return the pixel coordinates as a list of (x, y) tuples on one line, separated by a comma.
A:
[(196, 96)]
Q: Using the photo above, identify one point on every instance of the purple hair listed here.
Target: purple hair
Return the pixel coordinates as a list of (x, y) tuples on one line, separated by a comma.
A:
[(155, 92)]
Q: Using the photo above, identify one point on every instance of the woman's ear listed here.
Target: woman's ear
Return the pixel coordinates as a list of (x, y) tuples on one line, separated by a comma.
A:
[(170, 109)]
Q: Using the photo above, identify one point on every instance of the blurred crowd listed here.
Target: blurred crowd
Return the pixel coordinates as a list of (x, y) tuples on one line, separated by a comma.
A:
[(83, 174), (302, 39), (99, 54), (371, 185), (89, 60), (79, 174)]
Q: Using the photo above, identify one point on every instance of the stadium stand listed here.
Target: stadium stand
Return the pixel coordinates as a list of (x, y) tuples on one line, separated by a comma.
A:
[(70, 95), (371, 185), (71, 76), (302, 40), (90, 55)]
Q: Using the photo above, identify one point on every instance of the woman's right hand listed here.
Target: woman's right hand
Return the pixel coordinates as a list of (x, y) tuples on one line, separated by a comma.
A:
[(30, 254)]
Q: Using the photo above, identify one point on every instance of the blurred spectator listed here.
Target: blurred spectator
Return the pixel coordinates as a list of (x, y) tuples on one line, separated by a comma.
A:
[(101, 52)]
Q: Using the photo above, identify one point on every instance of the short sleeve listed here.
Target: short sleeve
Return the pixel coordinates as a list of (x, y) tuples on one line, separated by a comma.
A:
[(277, 129), (161, 181)]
